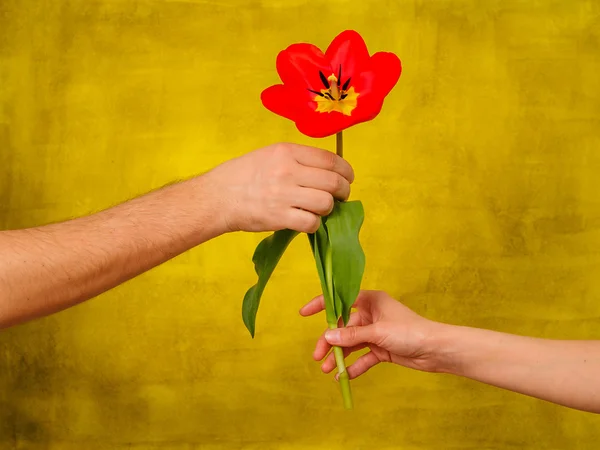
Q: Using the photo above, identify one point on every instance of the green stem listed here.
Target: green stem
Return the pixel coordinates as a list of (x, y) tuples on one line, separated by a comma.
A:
[(343, 377), (339, 144)]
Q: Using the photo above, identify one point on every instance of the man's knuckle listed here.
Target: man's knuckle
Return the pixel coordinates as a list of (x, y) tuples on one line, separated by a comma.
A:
[(329, 204), (331, 183), (283, 148), (281, 172), (312, 224), (325, 204), (330, 160)]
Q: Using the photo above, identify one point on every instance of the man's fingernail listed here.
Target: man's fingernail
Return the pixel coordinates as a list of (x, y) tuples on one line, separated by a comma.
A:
[(332, 336)]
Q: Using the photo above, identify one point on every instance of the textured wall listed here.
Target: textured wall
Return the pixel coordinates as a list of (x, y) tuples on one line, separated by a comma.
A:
[(480, 182)]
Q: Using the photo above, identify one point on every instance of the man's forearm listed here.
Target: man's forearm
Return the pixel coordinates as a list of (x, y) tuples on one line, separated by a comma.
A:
[(50, 268), (563, 372)]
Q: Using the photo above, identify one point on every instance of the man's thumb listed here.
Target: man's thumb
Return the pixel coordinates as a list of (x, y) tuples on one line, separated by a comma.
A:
[(350, 336)]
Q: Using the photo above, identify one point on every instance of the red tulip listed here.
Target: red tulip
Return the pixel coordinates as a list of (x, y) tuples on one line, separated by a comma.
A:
[(325, 93)]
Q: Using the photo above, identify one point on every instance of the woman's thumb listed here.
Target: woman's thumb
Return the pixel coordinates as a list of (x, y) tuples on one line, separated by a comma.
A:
[(350, 336)]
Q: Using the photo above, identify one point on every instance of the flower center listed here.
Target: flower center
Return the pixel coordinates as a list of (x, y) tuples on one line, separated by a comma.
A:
[(336, 96)]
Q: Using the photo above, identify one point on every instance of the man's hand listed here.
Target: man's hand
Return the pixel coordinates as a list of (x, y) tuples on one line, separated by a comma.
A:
[(280, 186), (47, 269)]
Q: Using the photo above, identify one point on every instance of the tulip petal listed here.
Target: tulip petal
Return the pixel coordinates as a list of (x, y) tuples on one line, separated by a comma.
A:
[(319, 125), (388, 68), (299, 66), (305, 72), (349, 51), (283, 101)]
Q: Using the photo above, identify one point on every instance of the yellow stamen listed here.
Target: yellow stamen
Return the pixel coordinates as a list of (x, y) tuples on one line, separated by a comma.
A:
[(344, 106), (333, 86), (335, 96)]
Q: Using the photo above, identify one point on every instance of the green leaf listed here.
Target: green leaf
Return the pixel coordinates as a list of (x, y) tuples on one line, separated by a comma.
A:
[(348, 258), (265, 259), (339, 306), (319, 243)]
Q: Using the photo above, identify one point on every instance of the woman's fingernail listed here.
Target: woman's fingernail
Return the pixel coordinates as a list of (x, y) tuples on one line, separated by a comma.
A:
[(332, 336)]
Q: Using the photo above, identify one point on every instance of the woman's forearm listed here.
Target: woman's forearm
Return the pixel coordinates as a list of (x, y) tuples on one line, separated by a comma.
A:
[(47, 269), (563, 372)]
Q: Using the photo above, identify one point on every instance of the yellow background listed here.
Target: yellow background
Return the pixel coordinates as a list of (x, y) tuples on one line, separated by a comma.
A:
[(480, 181)]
